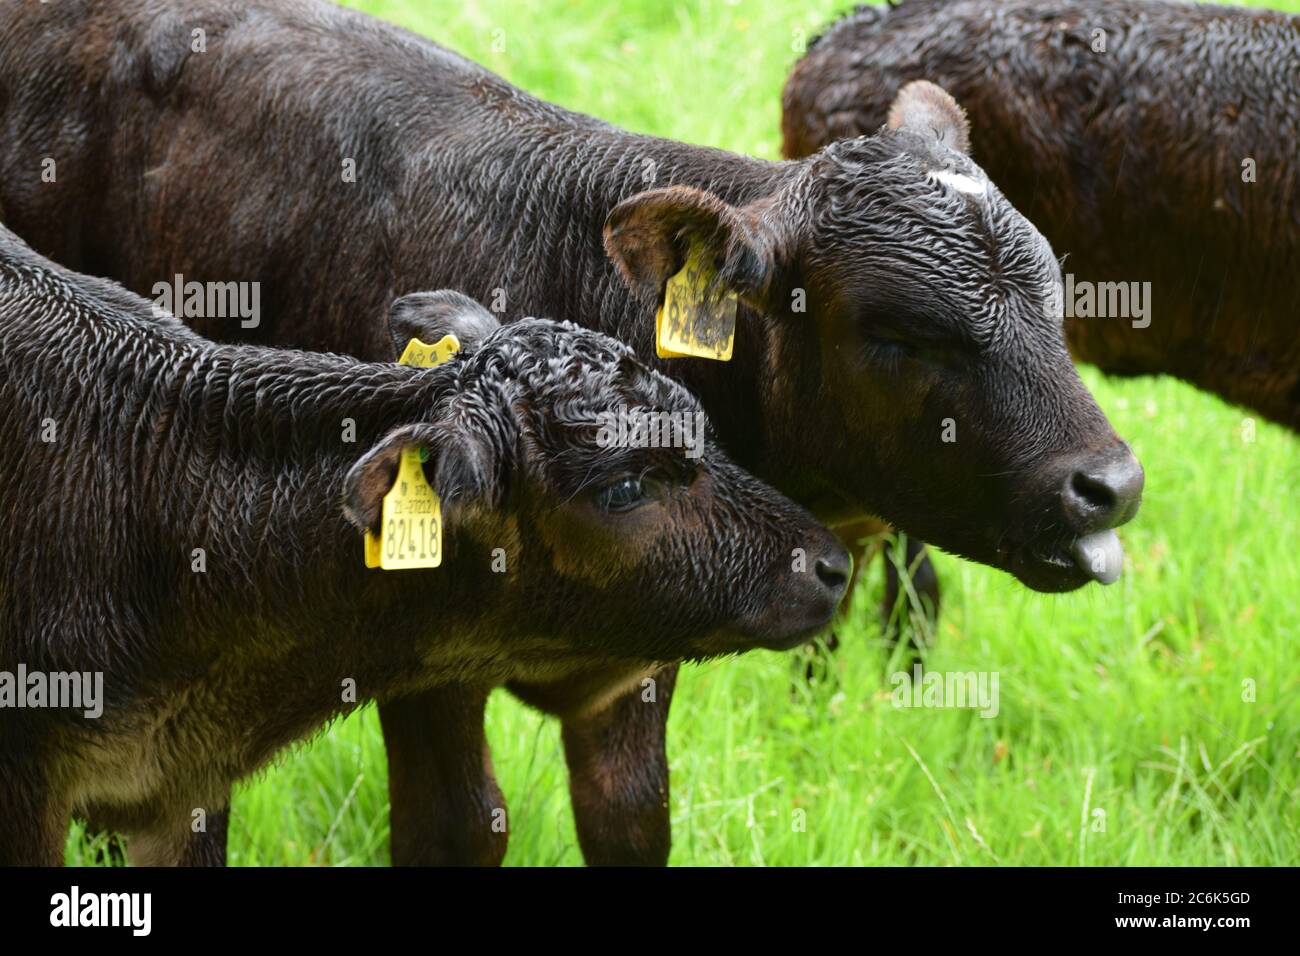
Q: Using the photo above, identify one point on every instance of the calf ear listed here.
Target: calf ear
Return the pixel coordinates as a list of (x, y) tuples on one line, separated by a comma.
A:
[(649, 235), (458, 467), (928, 109), (428, 316)]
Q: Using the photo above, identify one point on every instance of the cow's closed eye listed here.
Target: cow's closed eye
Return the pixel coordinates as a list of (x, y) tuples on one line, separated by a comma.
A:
[(891, 346)]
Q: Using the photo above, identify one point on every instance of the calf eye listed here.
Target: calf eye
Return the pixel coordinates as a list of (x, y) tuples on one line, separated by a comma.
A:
[(625, 494), (891, 346)]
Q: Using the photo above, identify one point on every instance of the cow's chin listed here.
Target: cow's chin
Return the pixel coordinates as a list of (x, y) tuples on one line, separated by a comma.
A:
[(1051, 574), (740, 638)]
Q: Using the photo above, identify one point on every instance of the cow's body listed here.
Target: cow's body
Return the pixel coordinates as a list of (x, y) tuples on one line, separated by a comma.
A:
[(1151, 142), (183, 517)]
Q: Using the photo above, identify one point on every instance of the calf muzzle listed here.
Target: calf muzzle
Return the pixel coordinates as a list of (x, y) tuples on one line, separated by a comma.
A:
[(807, 587)]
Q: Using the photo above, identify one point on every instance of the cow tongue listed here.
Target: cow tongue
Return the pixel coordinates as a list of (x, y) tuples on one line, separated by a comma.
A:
[(1100, 555)]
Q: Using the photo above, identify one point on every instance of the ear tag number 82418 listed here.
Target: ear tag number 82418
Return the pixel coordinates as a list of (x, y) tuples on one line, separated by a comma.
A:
[(698, 315), (410, 531)]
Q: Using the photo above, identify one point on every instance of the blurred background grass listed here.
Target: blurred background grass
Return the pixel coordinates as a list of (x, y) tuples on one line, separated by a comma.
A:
[(1122, 736)]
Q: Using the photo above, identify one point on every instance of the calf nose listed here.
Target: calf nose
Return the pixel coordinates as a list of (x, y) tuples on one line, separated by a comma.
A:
[(834, 567), (1103, 491), (801, 595)]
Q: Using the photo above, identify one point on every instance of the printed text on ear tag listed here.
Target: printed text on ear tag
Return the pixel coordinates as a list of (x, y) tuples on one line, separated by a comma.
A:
[(410, 532), (429, 356), (424, 356), (698, 315)]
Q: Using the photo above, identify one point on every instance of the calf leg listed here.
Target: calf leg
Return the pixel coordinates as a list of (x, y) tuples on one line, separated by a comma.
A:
[(32, 827), (615, 746), (208, 848), (445, 805)]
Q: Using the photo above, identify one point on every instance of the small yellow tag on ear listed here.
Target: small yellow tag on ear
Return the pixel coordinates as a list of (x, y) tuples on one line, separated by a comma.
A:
[(373, 550), (698, 316), (429, 356), (411, 529)]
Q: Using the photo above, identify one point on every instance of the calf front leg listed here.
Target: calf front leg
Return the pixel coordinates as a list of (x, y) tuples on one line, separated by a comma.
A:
[(208, 848), (32, 827), (445, 805), (615, 747)]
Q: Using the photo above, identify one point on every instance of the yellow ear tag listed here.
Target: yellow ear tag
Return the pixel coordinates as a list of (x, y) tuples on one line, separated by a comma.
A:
[(698, 316), (411, 527), (429, 356)]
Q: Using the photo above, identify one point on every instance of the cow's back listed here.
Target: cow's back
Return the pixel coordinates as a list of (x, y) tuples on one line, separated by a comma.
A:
[(335, 159)]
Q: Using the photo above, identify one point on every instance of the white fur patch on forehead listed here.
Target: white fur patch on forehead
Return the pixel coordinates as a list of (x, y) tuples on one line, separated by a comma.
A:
[(968, 185)]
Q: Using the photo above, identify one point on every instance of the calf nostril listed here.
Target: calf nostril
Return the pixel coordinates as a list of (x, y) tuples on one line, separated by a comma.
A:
[(834, 574), (1096, 495), (1105, 494)]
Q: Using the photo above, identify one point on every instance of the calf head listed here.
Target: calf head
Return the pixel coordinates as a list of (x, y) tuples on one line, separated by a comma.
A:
[(623, 529), (901, 312)]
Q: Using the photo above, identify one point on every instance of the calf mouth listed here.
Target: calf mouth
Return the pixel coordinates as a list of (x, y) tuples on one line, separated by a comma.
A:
[(1088, 495), (1069, 565), (795, 604)]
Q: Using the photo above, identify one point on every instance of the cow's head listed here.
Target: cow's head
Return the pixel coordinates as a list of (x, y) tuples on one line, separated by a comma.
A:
[(901, 312), (622, 527)]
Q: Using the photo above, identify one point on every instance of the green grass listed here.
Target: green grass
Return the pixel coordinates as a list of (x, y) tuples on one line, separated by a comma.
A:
[(1127, 700)]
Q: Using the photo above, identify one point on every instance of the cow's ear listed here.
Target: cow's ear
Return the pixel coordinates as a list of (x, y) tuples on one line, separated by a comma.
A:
[(428, 316), (650, 235), (928, 109), (458, 464)]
